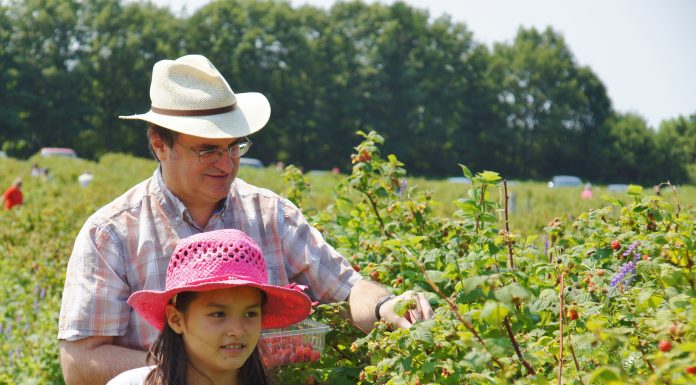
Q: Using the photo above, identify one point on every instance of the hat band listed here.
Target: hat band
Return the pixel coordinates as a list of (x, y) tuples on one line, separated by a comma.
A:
[(212, 111)]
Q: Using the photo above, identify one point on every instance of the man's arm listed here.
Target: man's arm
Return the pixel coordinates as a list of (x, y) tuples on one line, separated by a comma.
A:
[(96, 360), (364, 297)]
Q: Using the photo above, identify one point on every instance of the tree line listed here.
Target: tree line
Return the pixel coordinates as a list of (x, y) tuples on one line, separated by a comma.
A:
[(524, 108)]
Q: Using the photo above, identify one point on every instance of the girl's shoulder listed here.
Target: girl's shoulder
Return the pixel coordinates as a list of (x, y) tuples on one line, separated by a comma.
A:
[(131, 377)]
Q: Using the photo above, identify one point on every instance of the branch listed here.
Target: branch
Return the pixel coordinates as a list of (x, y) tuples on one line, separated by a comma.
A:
[(508, 328), (453, 307), (560, 332), (575, 359)]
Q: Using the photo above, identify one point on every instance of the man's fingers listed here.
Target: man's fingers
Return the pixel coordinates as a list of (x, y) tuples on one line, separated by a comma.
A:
[(424, 306)]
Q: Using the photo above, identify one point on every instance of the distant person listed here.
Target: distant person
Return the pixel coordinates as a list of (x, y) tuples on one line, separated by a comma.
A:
[(85, 178), (36, 171), (280, 166), (211, 313), (586, 192), (13, 195), (197, 131)]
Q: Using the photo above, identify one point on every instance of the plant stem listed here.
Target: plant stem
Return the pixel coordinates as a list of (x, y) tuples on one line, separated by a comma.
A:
[(643, 353), (455, 310), (511, 264), (560, 331), (511, 335), (478, 217), (376, 211), (575, 359)]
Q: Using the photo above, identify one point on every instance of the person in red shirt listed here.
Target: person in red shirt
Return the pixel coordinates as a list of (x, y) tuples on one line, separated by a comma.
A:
[(13, 195)]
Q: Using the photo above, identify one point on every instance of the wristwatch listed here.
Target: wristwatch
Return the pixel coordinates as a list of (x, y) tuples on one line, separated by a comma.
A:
[(380, 303)]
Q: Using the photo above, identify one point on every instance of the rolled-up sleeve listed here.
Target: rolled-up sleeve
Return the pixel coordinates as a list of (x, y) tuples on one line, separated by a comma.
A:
[(96, 291), (311, 261)]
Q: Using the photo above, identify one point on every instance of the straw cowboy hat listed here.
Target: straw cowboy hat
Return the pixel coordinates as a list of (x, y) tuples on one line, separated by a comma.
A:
[(218, 260), (189, 95)]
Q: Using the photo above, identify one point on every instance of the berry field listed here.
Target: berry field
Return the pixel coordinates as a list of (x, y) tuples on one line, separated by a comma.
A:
[(554, 290)]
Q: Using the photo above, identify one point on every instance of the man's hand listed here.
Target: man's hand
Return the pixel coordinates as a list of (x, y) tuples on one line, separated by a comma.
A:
[(365, 295), (418, 309)]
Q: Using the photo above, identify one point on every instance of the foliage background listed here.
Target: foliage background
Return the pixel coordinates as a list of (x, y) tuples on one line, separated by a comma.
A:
[(500, 294), (526, 108)]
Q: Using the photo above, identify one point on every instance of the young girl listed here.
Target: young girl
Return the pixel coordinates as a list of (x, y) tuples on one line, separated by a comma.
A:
[(216, 301)]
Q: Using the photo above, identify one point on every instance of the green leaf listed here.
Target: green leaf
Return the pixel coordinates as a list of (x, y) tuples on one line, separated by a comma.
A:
[(511, 293), (493, 312), (603, 374), (547, 300), (490, 176), (634, 190), (467, 173)]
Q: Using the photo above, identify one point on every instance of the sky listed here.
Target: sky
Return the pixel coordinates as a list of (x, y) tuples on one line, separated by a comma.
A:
[(644, 51)]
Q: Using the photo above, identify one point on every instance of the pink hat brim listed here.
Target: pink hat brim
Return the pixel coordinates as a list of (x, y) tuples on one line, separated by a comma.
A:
[(283, 306)]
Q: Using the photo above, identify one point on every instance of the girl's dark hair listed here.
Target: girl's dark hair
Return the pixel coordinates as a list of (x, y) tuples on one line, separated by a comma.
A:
[(168, 136), (168, 354)]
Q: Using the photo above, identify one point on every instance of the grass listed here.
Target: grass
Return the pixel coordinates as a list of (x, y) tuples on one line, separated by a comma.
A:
[(532, 204)]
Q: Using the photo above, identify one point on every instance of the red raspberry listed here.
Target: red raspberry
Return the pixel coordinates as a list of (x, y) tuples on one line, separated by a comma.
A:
[(664, 345), (615, 245)]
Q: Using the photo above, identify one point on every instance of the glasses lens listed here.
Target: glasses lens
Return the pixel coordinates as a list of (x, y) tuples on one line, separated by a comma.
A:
[(209, 156), (234, 150), (240, 148)]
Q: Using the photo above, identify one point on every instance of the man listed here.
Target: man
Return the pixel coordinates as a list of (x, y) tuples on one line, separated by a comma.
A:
[(13, 195), (197, 130)]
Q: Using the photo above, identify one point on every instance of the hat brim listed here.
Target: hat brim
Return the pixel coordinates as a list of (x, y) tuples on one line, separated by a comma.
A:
[(283, 307), (250, 114)]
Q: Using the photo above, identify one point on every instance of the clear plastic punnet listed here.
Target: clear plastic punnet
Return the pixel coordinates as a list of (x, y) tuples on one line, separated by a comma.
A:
[(301, 342)]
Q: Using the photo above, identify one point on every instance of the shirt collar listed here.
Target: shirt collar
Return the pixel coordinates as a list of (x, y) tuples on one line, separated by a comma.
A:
[(171, 201)]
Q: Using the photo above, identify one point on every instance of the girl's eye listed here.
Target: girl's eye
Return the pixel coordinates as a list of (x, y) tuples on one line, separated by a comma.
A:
[(252, 314), (217, 314)]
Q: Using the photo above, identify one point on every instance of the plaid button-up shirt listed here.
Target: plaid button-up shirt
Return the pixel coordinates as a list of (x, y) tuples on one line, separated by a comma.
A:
[(126, 245)]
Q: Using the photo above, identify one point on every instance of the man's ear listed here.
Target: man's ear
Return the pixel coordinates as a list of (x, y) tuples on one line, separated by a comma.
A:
[(175, 319), (158, 146)]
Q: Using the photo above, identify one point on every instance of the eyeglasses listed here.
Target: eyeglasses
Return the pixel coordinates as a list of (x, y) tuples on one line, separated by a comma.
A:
[(234, 150)]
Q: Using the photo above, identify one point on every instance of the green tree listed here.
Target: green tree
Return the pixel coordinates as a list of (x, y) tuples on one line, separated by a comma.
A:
[(9, 109), (45, 46), (118, 54), (632, 152), (553, 108), (264, 46), (676, 146)]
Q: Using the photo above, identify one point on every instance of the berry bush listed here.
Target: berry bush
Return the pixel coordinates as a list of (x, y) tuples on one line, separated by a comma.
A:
[(606, 297)]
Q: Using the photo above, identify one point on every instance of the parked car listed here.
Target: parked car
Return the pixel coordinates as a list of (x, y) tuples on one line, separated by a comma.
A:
[(459, 179), (617, 187), (58, 151), (565, 181), (250, 162)]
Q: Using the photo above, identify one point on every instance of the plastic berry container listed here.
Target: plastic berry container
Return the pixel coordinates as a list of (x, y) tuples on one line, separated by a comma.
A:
[(302, 342)]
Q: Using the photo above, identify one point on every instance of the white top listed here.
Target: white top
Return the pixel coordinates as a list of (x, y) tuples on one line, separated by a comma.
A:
[(131, 377)]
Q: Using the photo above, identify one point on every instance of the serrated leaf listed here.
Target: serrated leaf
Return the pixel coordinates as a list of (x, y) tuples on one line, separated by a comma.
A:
[(546, 301), (490, 176), (507, 294), (634, 190), (465, 170), (493, 312), (603, 374)]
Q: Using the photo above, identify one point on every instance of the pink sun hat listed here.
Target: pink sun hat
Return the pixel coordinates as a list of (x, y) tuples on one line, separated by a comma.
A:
[(218, 260)]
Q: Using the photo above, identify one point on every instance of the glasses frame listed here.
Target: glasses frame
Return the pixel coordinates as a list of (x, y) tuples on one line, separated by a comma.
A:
[(213, 155)]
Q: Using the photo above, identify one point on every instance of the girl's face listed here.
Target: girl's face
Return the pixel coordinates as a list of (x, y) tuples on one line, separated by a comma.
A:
[(220, 330)]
